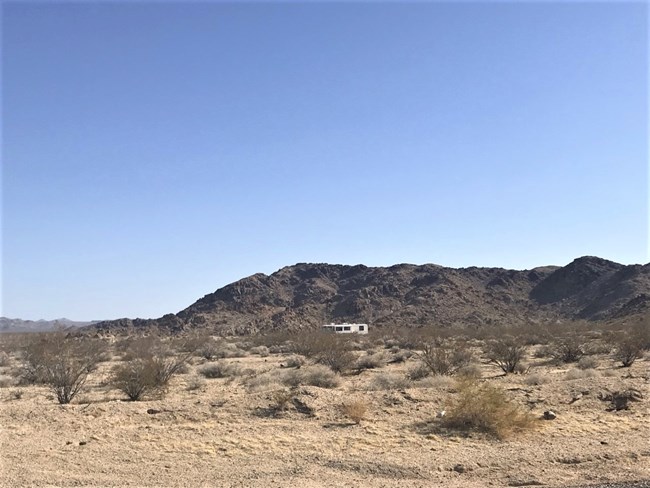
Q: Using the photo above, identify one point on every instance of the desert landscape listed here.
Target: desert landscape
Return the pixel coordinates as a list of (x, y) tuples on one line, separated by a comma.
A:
[(395, 407)]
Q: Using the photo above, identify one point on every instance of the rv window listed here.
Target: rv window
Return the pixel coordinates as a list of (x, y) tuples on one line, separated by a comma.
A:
[(339, 329), (361, 327), (346, 328)]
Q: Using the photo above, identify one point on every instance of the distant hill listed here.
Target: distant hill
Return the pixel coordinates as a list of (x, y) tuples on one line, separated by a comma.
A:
[(309, 295), (18, 325)]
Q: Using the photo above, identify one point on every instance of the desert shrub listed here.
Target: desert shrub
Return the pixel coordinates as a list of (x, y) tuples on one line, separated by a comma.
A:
[(261, 351), (627, 350), (438, 382), (293, 362), (355, 410), (209, 349), (5, 359), (62, 362), (535, 379), (545, 351), (281, 401), (570, 348), (195, 383), (580, 374), (507, 353), (135, 378), (6, 381), (418, 372), (587, 362), (139, 347), (219, 369), (471, 370), (316, 375), (147, 375), (371, 361), (388, 381), (262, 382), (443, 359), (485, 408), (17, 394), (401, 356), (320, 377)]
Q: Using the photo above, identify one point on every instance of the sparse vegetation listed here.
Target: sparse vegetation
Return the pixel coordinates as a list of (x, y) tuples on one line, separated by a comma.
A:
[(627, 350), (486, 408)]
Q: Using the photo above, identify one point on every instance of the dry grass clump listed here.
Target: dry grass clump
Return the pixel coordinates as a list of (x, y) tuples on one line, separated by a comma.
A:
[(580, 374), (388, 381), (263, 382), (316, 375), (6, 381), (434, 382), (325, 348), (220, 369), (486, 408), (356, 410)]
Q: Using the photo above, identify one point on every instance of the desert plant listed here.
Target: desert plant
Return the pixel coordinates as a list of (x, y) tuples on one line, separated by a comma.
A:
[(293, 362), (388, 381), (62, 362), (135, 378), (627, 350), (507, 353), (220, 369), (195, 383), (370, 361), (261, 351), (485, 408), (570, 348), (355, 410), (443, 359), (418, 372), (316, 375), (587, 362), (17, 394)]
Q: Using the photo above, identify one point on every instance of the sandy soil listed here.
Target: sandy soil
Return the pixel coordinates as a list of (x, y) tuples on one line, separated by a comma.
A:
[(223, 435)]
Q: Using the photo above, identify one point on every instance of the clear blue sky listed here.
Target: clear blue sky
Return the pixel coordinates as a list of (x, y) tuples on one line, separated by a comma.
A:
[(155, 152)]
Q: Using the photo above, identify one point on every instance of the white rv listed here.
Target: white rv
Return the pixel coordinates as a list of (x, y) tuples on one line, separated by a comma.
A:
[(346, 328)]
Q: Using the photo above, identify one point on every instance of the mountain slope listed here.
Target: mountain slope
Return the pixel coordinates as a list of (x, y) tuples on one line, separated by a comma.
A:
[(309, 295)]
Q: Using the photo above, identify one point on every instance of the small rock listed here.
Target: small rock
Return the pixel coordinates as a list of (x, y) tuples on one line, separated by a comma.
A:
[(153, 411), (550, 415), (604, 443), (68, 443), (459, 468), (441, 414), (82, 443)]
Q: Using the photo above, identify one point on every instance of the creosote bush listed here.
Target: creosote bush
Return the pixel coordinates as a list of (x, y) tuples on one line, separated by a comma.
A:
[(486, 408), (627, 350), (62, 361), (442, 358), (507, 353), (149, 374), (219, 369)]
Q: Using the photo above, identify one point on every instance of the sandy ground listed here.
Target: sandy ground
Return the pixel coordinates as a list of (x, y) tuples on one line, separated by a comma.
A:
[(222, 434)]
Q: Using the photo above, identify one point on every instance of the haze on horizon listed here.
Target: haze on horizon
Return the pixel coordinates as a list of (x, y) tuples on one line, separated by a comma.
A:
[(154, 152)]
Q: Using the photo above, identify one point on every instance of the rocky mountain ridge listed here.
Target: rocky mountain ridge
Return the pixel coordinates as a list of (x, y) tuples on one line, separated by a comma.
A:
[(309, 295)]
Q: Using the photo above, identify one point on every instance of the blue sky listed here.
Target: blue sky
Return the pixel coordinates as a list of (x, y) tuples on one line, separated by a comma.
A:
[(154, 152)]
